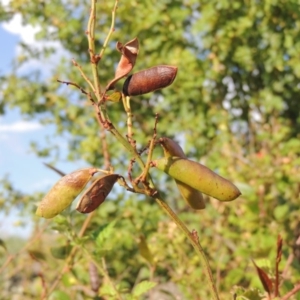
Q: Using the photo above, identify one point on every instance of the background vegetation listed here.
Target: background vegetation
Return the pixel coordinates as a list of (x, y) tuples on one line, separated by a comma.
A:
[(234, 106)]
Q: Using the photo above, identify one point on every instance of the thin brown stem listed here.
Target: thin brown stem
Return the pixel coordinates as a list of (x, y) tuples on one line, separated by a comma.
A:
[(105, 149), (83, 75), (11, 257), (144, 175), (194, 240), (278, 259), (295, 290)]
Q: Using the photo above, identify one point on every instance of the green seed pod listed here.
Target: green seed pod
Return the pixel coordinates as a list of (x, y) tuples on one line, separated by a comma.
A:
[(198, 177), (96, 193), (149, 80), (64, 192), (193, 197)]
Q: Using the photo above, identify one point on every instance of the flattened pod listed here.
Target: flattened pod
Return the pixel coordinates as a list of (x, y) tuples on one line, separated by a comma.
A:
[(198, 177), (149, 80), (193, 197), (64, 192), (96, 193)]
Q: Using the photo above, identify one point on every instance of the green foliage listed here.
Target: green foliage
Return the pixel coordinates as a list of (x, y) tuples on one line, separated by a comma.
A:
[(234, 105)]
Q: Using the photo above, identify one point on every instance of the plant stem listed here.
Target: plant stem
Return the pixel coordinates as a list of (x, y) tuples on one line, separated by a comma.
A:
[(111, 30), (70, 259), (37, 236), (195, 243), (91, 41), (295, 290)]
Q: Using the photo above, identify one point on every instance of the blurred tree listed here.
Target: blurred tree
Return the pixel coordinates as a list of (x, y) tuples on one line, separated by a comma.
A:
[(234, 105)]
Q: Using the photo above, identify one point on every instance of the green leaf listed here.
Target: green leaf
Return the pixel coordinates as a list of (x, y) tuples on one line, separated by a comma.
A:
[(105, 233), (114, 97), (61, 252), (59, 295), (143, 287), (281, 212)]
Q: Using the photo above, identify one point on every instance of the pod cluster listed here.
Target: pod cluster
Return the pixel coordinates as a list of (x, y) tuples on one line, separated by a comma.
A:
[(64, 192)]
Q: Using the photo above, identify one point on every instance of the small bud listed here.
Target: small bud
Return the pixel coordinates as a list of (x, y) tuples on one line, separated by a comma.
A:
[(64, 192), (149, 80), (96, 193)]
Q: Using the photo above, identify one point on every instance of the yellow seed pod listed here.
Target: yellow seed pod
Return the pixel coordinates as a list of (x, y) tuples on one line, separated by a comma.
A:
[(193, 197), (64, 192), (96, 193), (198, 177)]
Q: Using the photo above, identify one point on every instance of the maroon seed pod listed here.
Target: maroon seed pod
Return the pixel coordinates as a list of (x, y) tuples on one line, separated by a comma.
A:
[(96, 193), (149, 80)]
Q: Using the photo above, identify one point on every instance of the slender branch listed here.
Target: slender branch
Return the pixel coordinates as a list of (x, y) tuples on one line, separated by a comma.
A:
[(144, 175), (194, 240), (78, 66), (278, 259), (127, 108), (295, 290), (111, 30), (80, 88), (91, 40), (11, 257), (105, 149)]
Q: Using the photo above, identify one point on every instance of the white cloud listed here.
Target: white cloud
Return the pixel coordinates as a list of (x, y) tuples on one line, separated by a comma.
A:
[(27, 35), (5, 2), (26, 32), (20, 126)]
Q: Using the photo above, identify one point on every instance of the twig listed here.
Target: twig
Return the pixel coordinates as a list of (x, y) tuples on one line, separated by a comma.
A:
[(278, 259), (105, 150), (144, 175), (127, 108), (94, 59), (111, 30), (83, 75), (292, 292), (80, 88), (11, 257), (194, 240)]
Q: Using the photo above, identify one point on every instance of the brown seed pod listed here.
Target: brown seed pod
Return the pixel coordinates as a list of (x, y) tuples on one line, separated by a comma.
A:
[(64, 192), (149, 80), (96, 193)]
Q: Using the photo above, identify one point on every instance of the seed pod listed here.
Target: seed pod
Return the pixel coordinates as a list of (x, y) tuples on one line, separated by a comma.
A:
[(96, 193), (193, 197), (64, 192), (171, 148), (149, 80), (198, 177)]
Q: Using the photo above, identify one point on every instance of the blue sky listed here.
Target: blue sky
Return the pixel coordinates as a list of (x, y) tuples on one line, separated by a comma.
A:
[(25, 170)]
